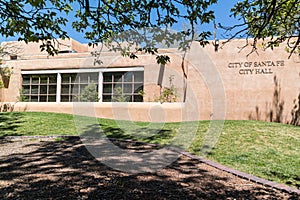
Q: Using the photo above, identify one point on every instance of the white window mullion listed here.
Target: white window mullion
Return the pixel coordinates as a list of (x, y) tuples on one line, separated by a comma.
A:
[(100, 86), (58, 87)]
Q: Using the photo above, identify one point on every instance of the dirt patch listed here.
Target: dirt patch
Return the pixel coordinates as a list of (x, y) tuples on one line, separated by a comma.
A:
[(50, 169)]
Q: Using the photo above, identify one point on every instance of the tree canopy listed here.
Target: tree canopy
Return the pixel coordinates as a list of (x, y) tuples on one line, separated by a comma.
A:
[(34, 20), (276, 20), (148, 22)]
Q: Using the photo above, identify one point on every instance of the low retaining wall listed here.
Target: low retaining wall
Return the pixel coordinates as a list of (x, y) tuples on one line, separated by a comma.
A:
[(146, 112)]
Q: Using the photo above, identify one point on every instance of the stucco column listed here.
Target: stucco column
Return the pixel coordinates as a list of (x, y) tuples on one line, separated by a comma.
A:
[(58, 87), (100, 86)]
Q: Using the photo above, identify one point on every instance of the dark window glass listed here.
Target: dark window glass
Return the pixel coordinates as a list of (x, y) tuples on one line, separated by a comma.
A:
[(107, 77), (122, 86), (39, 87), (107, 88), (64, 98), (65, 78), (52, 89), (75, 89), (51, 98), (43, 89), (26, 89), (76, 84), (65, 89), (34, 89), (26, 79), (117, 86), (53, 79), (34, 98), (128, 88), (106, 98), (117, 77), (44, 79), (43, 98), (128, 77)]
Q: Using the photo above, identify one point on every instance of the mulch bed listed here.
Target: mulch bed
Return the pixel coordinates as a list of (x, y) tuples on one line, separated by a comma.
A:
[(51, 169)]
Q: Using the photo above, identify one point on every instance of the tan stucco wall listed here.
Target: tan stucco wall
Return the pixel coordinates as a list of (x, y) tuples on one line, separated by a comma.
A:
[(23, 50), (254, 96), (248, 93), (147, 111)]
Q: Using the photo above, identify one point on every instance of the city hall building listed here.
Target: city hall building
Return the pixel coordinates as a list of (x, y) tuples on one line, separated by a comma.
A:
[(214, 82)]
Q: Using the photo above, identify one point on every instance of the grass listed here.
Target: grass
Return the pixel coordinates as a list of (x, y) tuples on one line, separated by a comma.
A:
[(34, 123), (267, 150)]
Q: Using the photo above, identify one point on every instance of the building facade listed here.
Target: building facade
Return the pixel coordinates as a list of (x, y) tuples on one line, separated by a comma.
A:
[(205, 83)]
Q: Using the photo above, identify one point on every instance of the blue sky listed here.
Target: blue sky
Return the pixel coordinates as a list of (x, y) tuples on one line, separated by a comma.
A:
[(222, 12)]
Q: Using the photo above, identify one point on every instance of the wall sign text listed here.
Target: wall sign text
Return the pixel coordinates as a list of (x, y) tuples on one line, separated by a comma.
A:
[(253, 68)]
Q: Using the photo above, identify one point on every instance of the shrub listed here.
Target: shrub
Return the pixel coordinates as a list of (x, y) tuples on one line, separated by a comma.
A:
[(89, 94)]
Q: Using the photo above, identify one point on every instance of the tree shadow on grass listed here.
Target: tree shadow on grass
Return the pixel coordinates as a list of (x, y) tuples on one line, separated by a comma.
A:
[(149, 135), (9, 123), (66, 170)]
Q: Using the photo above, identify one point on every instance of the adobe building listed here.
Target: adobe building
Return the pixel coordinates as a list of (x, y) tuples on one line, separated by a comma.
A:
[(215, 82)]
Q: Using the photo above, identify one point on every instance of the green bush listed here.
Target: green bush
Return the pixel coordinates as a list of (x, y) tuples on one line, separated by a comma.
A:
[(169, 94), (119, 96), (89, 94)]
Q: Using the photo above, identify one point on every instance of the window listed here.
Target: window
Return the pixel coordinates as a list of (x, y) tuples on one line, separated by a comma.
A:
[(72, 85), (123, 86), (39, 88), (105, 84)]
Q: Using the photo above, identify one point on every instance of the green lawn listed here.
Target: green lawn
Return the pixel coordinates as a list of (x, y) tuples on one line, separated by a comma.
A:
[(34, 123), (267, 150)]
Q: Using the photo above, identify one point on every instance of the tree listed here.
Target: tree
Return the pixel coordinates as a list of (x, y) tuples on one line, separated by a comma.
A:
[(106, 20), (148, 22), (88, 94), (34, 20), (274, 21), (103, 21), (118, 95)]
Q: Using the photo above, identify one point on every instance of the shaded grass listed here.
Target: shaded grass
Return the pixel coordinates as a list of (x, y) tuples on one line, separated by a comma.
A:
[(267, 150), (36, 123)]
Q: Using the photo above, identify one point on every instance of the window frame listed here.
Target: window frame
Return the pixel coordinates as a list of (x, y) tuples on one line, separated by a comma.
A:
[(122, 83), (59, 72), (39, 85), (78, 83)]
